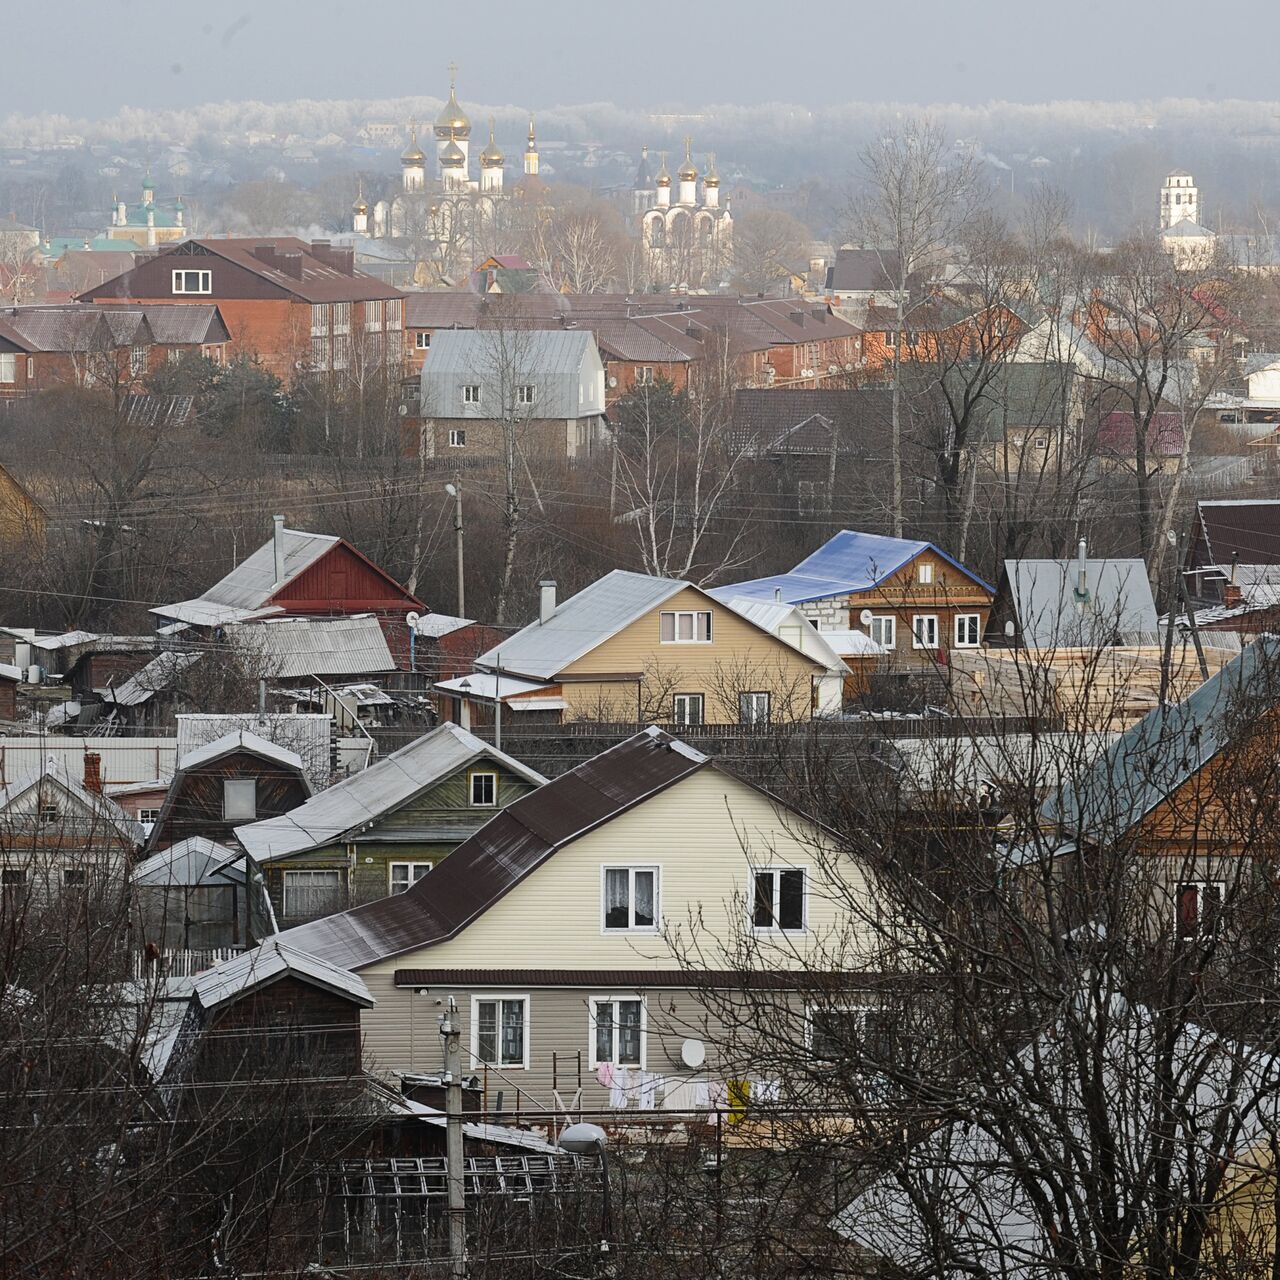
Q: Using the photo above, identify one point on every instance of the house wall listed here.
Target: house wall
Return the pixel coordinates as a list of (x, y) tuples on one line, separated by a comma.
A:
[(705, 834), (8, 699), (626, 372), (740, 658), (485, 437), (21, 517), (195, 802), (904, 597), (341, 582)]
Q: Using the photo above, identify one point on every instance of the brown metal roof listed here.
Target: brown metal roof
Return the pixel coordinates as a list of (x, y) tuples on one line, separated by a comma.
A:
[(1243, 529), (507, 848)]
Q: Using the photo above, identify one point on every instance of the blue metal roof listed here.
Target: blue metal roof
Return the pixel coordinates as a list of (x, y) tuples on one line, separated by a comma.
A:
[(846, 563)]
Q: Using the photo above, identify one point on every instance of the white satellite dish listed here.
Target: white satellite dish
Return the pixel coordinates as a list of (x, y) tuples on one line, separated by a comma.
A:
[(865, 617), (693, 1053), (411, 620)]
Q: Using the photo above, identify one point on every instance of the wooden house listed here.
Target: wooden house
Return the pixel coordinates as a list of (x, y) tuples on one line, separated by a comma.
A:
[(379, 831), (235, 779)]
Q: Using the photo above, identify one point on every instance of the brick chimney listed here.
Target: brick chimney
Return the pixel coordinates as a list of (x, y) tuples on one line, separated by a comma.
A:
[(1231, 593), (266, 254), (93, 772)]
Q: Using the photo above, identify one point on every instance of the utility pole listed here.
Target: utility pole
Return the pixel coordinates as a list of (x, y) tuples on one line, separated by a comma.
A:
[(450, 1029), (454, 490)]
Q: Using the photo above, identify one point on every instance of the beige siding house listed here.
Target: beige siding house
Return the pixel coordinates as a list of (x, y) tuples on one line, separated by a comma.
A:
[(634, 648), (567, 931)]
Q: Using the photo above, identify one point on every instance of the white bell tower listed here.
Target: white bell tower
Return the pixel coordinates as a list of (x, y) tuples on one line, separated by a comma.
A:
[(1179, 200)]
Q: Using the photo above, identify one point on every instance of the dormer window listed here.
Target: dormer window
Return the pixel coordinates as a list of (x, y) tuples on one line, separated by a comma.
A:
[(924, 574)]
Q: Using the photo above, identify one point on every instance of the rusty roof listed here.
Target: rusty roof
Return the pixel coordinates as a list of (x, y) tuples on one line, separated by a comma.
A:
[(511, 845)]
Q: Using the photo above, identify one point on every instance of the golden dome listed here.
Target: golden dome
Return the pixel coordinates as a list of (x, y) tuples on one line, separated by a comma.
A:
[(664, 178), (688, 170), (491, 157), (452, 156), (361, 205), (711, 178), (412, 154), (452, 121)]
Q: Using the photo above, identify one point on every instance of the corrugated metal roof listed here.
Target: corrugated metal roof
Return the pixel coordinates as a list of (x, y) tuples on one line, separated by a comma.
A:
[(354, 803), (583, 621), (192, 862), (507, 848), (435, 625), (265, 963), (122, 760), (287, 648), (1167, 747), (1051, 616), (252, 582), (305, 735), (789, 625), (848, 562), (94, 801), (240, 740), (158, 675)]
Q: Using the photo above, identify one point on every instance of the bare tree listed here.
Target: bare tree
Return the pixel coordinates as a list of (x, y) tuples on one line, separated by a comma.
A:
[(767, 246)]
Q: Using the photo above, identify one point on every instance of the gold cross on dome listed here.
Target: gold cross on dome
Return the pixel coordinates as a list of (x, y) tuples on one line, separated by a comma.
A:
[(453, 74)]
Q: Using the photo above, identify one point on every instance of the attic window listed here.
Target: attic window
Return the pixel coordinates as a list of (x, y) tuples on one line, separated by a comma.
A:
[(924, 574), (49, 814), (193, 282), (239, 799), (471, 393), (525, 393), (484, 790)]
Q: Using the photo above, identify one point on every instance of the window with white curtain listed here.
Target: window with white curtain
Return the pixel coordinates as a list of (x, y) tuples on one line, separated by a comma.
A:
[(499, 1028), (618, 1031), (630, 898)]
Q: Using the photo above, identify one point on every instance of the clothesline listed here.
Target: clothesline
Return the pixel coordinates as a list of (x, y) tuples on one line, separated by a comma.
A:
[(630, 1087)]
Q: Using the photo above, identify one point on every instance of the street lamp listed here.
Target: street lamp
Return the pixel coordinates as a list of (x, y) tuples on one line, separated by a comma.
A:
[(589, 1140), (455, 492)]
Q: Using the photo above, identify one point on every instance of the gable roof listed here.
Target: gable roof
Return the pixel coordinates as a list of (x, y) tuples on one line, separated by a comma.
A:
[(846, 563), (1050, 615), (580, 623), (240, 740), (101, 806), (265, 964), (772, 617), (860, 271), (159, 674), (1167, 747), (512, 844), (358, 802), (195, 861), (546, 352)]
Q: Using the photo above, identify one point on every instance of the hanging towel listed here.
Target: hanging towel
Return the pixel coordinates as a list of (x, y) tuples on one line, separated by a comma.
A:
[(648, 1098), (700, 1095), (604, 1075), (717, 1094), (766, 1090), (739, 1097), (620, 1088)]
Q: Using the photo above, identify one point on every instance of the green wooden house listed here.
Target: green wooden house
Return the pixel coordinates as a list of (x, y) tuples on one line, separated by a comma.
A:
[(375, 833)]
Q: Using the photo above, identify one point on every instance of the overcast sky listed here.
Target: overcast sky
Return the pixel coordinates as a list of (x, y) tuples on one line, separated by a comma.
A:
[(96, 55)]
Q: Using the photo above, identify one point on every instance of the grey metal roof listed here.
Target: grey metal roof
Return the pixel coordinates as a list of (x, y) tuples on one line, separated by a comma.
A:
[(302, 734), (543, 649), (512, 844), (288, 648), (190, 863), (239, 740), (252, 582), (95, 802), (1042, 594), (353, 804), (158, 675), (1167, 747), (265, 963), (562, 365)]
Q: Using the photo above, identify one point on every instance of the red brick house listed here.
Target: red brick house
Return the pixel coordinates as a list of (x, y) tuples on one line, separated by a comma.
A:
[(301, 308)]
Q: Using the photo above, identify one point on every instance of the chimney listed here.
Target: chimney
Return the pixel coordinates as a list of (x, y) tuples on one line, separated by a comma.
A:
[(1082, 571), (277, 545), (93, 772), (291, 263), (819, 314), (797, 317), (266, 254), (777, 595), (1232, 595), (546, 599)]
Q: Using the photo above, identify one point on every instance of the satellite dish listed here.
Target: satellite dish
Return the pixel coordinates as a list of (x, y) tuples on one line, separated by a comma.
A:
[(411, 620), (613, 382), (865, 617), (693, 1053)]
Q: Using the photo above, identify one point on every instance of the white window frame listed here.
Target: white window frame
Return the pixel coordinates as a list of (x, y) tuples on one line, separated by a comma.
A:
[(885, 620), (967, 618), (1200, 886), (924, 573), (753, 717), (342, 317), (644, 376), (203, 284), (320, 317), (293, 874), (776, 929), (694, 615), (8, 368), (631, 869), (457, 437), (688, 698), (238, 784), (413, 879), (593, 1003), (472, 775), (137, 361), (422, 341), (470, 393), (79, 871), (497, 998), (49, 812), (151, 815), (526, 393), (916, 641)]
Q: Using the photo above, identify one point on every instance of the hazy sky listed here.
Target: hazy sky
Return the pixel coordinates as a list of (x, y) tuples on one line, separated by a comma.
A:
[(96, 55)]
